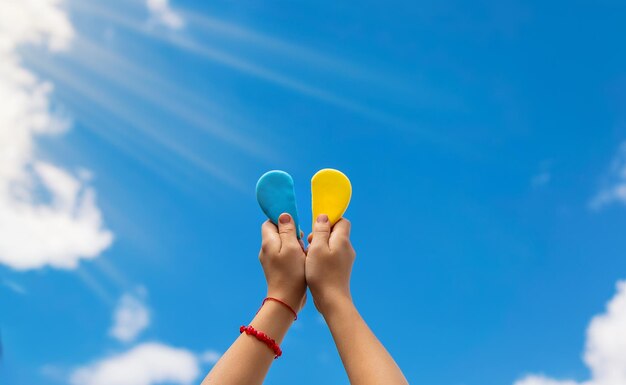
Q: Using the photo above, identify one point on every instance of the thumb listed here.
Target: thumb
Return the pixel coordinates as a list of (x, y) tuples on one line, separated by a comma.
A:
[(287, 230), (321, 230)]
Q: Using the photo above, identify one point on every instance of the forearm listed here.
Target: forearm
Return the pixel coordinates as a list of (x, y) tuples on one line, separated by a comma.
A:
[(366, 360), (274, 320)]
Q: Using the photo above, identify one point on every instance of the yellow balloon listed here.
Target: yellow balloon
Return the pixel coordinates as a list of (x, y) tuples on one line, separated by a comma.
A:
[(330, 193)]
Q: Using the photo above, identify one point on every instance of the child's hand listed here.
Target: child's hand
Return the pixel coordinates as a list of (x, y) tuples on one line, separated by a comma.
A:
[(329, 263), (282, 257)]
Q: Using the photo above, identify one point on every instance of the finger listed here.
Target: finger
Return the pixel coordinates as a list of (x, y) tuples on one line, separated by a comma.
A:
[(309, 238), (287, 231), (341, 230), (321, 230), (270, 240)]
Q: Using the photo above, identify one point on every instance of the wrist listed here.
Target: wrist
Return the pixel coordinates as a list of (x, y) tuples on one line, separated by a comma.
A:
[(273, 319), (279, 312), (330, 303), (293, 301)]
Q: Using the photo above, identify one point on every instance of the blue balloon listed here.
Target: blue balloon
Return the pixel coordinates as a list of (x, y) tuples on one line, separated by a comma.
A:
[(275, 194)]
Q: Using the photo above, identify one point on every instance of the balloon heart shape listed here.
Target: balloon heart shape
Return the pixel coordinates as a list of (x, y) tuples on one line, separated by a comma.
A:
[(276, 195), (330, 194)]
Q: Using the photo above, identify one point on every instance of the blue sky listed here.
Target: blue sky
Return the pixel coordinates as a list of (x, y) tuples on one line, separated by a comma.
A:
[(484, 141)]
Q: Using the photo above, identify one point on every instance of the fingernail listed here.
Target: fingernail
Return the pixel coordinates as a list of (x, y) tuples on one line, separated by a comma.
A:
[(284, 218), (322, 218)]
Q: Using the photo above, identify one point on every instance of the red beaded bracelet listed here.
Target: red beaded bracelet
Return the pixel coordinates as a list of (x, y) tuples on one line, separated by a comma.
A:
[(263, 338), (295, 315)]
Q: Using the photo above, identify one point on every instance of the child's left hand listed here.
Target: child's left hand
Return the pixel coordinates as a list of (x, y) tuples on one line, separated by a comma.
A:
[(282, 257)]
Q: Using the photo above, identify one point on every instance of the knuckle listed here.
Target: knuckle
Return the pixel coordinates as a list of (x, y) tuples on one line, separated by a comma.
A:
[(285, 227), (317, 250), (290, 248), (344, 242), (267, 227), (286, 231), (266, 246), (313, 249), (321, 228)]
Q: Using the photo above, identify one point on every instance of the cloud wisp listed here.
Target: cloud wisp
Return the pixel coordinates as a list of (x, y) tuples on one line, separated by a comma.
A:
[(48, 216), (210, 356), (131, 317), (605, 351), (615, 189), (13, 286), (541, 179), (162, 13)]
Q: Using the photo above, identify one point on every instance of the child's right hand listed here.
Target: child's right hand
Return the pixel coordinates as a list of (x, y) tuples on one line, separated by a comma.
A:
[(329, 263), (282, 257)]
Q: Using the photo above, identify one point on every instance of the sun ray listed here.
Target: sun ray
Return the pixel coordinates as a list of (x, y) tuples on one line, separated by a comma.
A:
[(94, 285), (152, 88), (226, 30), (273, 44), (113, 274), (95, 95), (103, 126), (241, 65)]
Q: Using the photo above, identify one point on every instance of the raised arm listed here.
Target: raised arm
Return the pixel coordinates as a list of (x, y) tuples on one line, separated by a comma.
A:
[(247, 361), (328, 269)]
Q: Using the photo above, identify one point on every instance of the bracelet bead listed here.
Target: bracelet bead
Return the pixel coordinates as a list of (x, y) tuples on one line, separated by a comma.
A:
[(270, 342)]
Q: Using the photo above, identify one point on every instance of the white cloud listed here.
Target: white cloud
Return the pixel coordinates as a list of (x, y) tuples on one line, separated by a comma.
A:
[(35, 22), (541, 380), (162, 13), (66, 226), (131, 317), (145, 364), (605, 351), (615, 191), (606, 342)]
